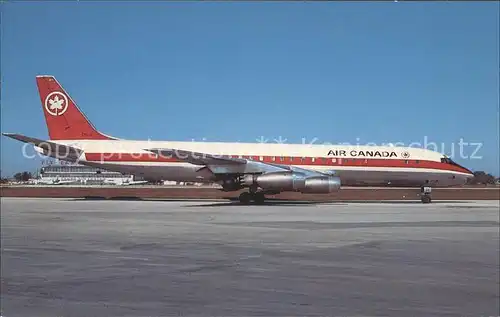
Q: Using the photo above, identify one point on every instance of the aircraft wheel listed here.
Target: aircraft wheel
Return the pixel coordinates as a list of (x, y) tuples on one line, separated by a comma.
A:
[(426, 199), (259, 198), (245, 198), (425, 194)]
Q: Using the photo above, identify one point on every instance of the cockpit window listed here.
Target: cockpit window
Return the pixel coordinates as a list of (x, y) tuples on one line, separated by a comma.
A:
[(448, 160)]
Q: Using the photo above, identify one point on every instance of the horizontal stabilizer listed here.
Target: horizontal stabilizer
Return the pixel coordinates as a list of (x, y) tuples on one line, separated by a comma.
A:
[(197, 158), (55, 150)]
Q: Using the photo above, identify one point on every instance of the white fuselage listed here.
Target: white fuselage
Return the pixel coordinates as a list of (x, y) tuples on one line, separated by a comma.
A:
[(370, 165)]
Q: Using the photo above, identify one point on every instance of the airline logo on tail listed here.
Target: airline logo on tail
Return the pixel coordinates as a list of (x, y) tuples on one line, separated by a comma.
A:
[(56, 103), (64, 119)]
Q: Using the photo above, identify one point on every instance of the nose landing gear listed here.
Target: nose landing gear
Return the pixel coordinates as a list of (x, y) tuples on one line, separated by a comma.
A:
[(425, 194)]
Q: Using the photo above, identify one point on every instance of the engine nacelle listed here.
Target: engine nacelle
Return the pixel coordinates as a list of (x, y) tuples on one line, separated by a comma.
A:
[(280, 181), (321, 184), (288, 181)]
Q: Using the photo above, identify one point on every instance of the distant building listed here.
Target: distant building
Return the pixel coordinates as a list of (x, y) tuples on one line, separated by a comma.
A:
[(66, 173), (55, 172)]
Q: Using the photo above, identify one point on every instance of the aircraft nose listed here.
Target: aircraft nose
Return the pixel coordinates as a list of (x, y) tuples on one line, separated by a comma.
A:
[(470, 174), (467, 177)]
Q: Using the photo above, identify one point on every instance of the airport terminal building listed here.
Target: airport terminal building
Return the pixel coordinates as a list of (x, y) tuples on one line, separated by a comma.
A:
[(80, 174), (55, 172)]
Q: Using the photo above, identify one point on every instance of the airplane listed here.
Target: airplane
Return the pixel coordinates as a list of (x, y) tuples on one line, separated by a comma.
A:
[(124, 183), (57, 182), (263, 169)]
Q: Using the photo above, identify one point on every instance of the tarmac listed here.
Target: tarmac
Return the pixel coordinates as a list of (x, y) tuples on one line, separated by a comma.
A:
[(76, 257), (195, 192)]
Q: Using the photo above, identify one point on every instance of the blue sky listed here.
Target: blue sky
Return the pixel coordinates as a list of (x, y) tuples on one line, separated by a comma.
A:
[(340, 72)]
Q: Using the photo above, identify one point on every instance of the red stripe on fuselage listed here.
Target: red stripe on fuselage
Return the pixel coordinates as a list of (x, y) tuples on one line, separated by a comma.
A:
[(287, 160)]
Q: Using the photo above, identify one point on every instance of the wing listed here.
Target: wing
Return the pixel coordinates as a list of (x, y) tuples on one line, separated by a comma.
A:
[(308, 172), (198, 158), (223, 164)]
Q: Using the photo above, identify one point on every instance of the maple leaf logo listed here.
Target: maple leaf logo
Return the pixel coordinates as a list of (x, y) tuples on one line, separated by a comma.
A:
[(56, 103)]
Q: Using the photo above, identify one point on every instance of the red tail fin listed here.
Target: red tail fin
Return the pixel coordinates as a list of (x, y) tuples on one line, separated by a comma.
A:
[(64, 119)]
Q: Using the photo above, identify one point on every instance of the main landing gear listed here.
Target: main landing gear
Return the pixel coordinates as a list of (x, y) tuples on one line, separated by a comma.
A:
[(425, 194), (255, 197)]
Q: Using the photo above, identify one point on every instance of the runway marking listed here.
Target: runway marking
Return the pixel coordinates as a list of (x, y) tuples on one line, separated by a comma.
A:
[(131, 258)]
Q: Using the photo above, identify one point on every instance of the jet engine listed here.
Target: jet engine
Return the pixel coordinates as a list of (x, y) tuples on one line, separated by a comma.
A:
[(289, 181), (321, 184)]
